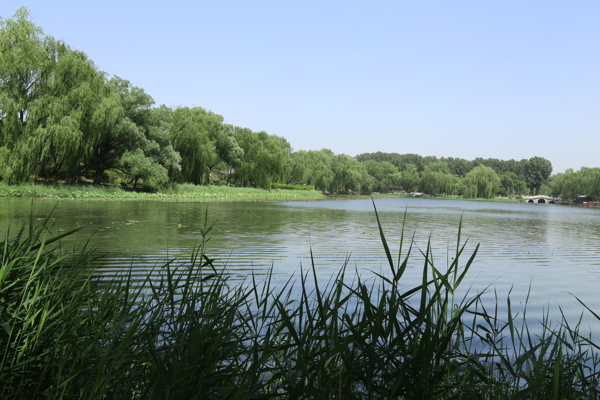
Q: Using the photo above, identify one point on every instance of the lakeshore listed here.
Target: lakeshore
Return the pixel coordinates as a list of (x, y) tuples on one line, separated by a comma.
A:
[(201, 193), (181, 192)]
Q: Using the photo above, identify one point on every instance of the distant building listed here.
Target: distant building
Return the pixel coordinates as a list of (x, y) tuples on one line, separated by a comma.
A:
[(581, 198)]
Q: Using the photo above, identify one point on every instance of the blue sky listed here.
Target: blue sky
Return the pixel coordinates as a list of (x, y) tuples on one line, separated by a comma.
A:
[(503, 79)]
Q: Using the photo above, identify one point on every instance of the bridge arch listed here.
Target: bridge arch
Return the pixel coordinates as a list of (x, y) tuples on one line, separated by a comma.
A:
[(540, 199)]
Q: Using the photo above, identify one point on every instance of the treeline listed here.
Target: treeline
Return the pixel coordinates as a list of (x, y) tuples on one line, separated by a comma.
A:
[(478, 178), (571, 183), (61, 119)]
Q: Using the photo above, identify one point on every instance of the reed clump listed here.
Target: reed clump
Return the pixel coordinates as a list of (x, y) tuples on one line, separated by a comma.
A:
[(191, 333)]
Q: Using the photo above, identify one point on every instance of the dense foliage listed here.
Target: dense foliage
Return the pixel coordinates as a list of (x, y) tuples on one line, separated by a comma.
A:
[(434, 175), (61, 119), (586, 181), (481, 181)]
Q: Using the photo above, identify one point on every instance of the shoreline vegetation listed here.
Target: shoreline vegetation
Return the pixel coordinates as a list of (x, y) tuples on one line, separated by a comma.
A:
[(199, 193), (179, 192), (191, 333)]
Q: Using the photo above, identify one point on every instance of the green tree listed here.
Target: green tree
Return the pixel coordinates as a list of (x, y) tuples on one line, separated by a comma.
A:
[(458, 166), (297, 172), (60, 118), (517, 167), (116, 133), (205, 143), (400, 161), (153, 160), (349, 175), (134, 139), (24, 68), (227, 148), (586, 181), (265, 158), (80, 105), (319, 172), (384, 174), (481, 182), (410, 180), (157, 123), (511, 184), (192, 133), (536, 172), (139, 167), (51, 99), (566, 185), (437, 179)]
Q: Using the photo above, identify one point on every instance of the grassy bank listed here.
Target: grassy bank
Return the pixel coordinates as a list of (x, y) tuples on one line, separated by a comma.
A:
[(189, 192), (192, 334), (183, 192)]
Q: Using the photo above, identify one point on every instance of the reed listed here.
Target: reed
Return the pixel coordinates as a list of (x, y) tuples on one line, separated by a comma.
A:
[(191, 333)]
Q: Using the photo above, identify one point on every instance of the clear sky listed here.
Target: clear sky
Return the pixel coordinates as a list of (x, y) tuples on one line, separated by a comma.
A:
[(492, 79)]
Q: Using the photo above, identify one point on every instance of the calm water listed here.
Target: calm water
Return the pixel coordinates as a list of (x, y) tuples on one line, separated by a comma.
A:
[(551, 252)]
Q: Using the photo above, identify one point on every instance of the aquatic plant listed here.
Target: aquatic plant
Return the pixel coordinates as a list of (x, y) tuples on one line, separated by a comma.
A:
[(176, 192), (189, 332)]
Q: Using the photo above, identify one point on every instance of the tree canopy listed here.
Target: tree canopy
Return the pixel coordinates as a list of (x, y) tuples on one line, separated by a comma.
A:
[(571, 183), (481, 182), (536, 172)]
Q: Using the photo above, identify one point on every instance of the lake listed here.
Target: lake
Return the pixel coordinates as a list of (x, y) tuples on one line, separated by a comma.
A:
[(549, 252)]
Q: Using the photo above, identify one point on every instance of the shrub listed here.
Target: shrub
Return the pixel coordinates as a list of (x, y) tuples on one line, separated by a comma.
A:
[(291, 187)]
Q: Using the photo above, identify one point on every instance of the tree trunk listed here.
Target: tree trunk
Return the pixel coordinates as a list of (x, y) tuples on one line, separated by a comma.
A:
[(98, 175)]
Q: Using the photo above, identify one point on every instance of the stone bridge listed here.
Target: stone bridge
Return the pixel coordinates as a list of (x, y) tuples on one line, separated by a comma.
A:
[(541, 199)]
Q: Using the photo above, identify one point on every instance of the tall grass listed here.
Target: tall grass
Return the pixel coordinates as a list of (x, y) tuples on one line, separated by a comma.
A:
[(190, 333)]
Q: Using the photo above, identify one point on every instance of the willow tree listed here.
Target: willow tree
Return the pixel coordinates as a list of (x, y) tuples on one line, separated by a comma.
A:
[(21, 54), (67, 115), (437, 179), (384, 174), (52, 98), (26, 68), (320, 172), (228, 150), (410, 179), (204, 142), (571, 183), (311, 168), (265, 158), (481, 182), (349, 174)]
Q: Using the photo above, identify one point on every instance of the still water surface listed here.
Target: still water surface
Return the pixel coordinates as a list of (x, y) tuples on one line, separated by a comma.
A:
[(550, 252)]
